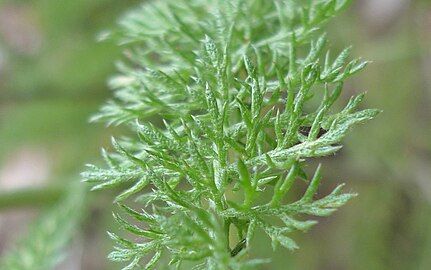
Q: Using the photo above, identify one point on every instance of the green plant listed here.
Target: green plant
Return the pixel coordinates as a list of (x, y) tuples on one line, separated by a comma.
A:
[(43, 246), (245, 98)]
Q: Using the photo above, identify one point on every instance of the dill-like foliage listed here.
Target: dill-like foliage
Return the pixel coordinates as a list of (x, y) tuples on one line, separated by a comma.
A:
[(245, 93), (43, 247)]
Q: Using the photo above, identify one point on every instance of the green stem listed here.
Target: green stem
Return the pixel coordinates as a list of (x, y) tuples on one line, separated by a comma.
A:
[(227, 223), (30, 197)]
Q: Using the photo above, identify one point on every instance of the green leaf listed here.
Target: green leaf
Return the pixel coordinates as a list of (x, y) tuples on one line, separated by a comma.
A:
[(314, 184)]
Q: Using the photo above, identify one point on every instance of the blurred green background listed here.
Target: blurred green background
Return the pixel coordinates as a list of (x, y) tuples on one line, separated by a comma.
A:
[(52, 78)]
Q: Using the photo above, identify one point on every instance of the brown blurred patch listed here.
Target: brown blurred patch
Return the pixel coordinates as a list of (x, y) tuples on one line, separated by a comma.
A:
[(381, 15), (20, 29), (27, 167)]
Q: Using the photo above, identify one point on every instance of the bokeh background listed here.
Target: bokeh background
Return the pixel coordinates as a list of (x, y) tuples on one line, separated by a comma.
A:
[(52, 78)]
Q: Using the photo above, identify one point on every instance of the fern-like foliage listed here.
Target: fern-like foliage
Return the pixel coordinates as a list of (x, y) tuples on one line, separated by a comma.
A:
[(44, 245), (245, 93)]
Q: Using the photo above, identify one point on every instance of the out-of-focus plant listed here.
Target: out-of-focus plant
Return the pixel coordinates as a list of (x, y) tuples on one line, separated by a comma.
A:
[(245, 97), (43, 246)]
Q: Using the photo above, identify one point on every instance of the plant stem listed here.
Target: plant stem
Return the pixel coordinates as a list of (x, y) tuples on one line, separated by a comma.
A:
[(227, 223), (30, 197)]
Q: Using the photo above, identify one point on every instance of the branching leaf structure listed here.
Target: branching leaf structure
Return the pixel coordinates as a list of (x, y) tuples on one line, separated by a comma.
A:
[(44, 245), (246, 94)]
